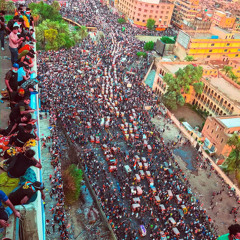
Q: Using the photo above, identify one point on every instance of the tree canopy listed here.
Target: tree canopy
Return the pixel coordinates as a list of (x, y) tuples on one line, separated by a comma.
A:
[(167, 40), (189, 58), (232, 163), (72, 179), (46, 11), (180, 83), (150, 24), (121, 20), (149, 46), (53, 35), (141, 54)]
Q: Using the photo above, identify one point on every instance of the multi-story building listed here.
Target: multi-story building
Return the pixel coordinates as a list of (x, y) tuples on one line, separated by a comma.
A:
[(214, 44), (139, 11), (184, 12), (223, 19), (235, 64), (236, 26), (217, 131), (219, 96)]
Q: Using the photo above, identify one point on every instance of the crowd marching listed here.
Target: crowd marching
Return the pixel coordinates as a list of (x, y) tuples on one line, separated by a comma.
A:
[(101, 103), (95, 90)]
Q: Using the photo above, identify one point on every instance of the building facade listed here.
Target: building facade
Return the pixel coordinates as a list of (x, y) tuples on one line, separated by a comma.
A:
[(184, 12), (139, 11), (217, 131), (235, 64), (223, 19), (219, 97), (216, 44)]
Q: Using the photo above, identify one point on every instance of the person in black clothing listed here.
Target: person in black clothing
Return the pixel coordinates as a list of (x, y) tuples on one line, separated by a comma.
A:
[(2, 28), (20, 121), (22, 194), (21, 108), (21, 163), (10, 24), (23, 135), (11, 81)]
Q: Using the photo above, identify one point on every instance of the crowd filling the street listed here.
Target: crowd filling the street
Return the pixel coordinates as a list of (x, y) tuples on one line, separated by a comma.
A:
[(95, 91)]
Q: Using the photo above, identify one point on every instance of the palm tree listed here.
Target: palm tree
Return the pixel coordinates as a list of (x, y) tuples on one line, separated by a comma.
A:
[(232, 163), (83, 32), (232, 76), (227, 69), (10, 7)]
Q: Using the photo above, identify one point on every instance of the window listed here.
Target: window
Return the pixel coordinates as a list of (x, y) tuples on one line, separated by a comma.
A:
[(210, 50), (143, 20), (165, 23), (137, 19), (212, 44), (167, 12), (222, 140), (236, 55), (228, 44), (212, 131), (166, 17), (208, 56), (208, 127), (140, 9)]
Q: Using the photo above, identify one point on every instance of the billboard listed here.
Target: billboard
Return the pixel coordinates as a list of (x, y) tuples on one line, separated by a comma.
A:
[(160, 47), (183, 39)]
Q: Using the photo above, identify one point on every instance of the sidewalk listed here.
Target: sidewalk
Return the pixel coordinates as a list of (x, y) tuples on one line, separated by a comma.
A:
[(47, 169)]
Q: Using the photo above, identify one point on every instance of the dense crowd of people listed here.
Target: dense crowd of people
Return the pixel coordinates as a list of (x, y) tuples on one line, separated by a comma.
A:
[(18, 182), (95, 90), (101, 104)]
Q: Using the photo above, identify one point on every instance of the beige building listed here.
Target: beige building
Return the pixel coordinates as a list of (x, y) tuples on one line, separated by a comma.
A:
[(139, 11), (217, 131), (219, 96), (184, 12)]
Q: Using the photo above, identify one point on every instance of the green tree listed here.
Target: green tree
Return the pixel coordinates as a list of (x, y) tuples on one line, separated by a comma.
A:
[(198, 87), (121, 20), (227, 69), (141, 54), (150, 24), (2, 4), (50, 35), (167, 40), (181, 82), (149, 46), (83, 32), (56, 5), (10, 7), (170, 100), (232, 75), (189, 58), (72, 182), (232, 163)]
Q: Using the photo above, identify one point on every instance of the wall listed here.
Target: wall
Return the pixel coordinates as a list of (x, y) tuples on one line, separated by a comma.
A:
[(140, 11)]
